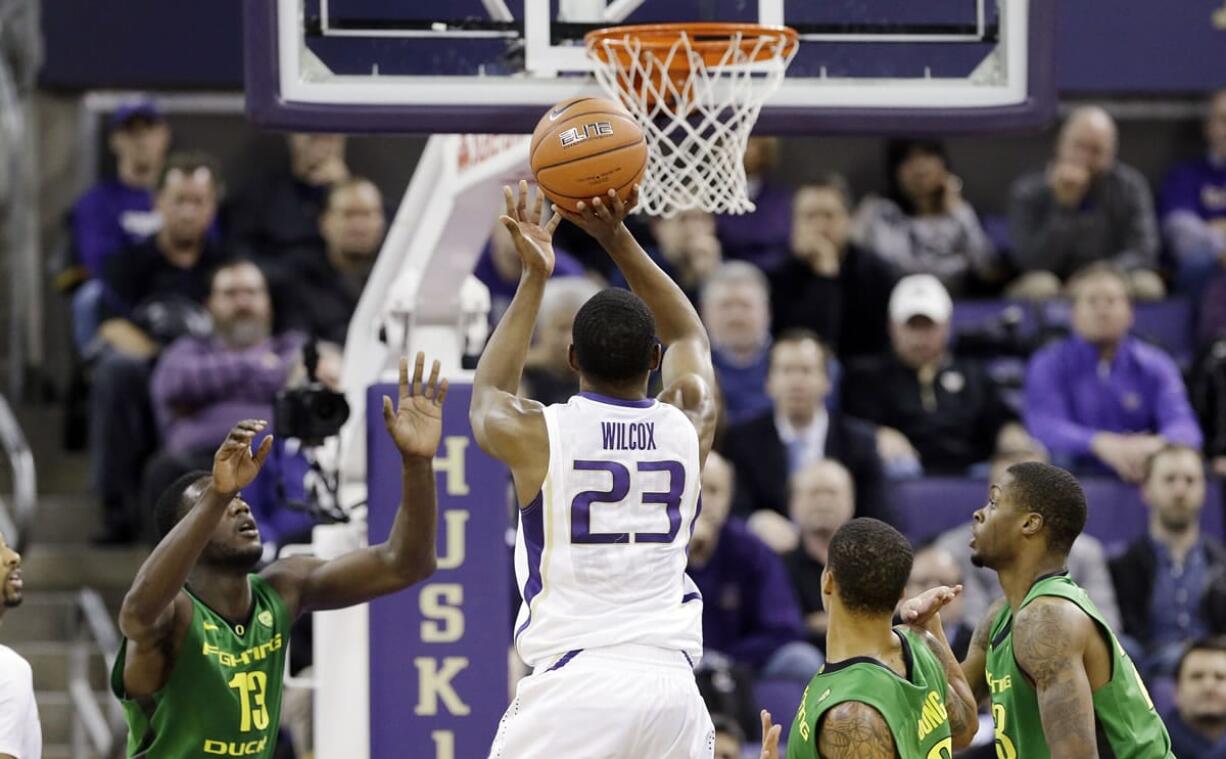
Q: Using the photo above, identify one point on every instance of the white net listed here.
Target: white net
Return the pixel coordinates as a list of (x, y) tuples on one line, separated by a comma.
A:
[(697, 102)]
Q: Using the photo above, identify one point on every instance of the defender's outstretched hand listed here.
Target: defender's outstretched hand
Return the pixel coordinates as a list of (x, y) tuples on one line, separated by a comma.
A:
[(533, 236), (770, 737), (921, 609), (602, 217), (234, 465), (416, 424)]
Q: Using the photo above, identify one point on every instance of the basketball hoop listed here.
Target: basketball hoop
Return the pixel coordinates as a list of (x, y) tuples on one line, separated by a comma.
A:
[(696, 90)]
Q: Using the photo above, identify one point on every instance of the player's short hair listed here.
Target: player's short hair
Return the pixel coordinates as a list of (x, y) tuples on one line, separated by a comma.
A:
[(1166, 450), (172, 504), (871, 561), (1216, 643), (614, 335), (190, 162), (1054, 494)]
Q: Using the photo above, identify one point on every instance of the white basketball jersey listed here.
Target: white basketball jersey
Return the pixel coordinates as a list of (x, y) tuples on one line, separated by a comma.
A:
[(601, 553)]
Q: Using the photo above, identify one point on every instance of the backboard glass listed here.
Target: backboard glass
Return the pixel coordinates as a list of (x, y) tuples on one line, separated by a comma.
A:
[(496, 65)]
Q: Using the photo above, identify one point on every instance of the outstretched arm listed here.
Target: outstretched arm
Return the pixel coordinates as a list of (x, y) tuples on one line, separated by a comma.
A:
[(920, 609), (853, 730), (1049, 640), (148, 608), (408, 554), (688, 375), (506, 426)]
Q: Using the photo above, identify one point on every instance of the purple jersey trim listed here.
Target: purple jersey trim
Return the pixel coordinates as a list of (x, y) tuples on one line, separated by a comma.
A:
[(532, 519), (691, 597), (566, 657), (640, 403), (688, 659)]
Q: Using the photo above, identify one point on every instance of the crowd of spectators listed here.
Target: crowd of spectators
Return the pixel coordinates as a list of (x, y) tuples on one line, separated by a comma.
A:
[(835, 333)]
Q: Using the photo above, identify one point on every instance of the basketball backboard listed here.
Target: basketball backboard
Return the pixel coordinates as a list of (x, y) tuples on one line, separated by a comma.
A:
[(496, 65)]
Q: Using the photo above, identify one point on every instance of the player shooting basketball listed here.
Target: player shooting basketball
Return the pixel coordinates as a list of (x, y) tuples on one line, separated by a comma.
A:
[(608, 490), (201, 666)]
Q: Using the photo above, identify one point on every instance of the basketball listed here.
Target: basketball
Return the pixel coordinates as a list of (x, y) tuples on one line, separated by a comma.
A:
[(585, 146)]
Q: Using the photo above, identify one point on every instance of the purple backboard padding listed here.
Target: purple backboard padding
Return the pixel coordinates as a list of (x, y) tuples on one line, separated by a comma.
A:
[(266, 107)]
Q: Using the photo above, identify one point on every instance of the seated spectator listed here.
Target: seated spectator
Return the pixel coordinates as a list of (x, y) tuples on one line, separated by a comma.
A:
[(1087, 562), (829, 284), (1198, 724), (1084, 207), (499, 268), (281, 211), (735, 307), (767, 450), (548, 375), (1102, 400), (153, 293), (323, 290), (202, 384), (119, 212), (686, 248), (749, 611), (922, 225), (1170, 582), (1193, 207), (933, 566), (729, 737), (933, 409), (822, 500), (760, 236), (115, 213)]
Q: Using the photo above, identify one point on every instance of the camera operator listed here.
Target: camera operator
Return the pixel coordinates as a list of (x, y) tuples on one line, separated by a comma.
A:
[(201, 385)]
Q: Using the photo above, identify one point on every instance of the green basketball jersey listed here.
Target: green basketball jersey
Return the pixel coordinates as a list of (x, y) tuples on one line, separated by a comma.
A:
[(1127, 725), (913, 707), (223, 697)]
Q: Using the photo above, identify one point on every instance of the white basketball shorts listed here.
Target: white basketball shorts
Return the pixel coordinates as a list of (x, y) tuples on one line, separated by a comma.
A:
[(621, 702)]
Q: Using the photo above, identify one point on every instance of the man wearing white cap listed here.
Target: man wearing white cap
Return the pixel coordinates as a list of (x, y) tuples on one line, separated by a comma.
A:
[(936, 412)]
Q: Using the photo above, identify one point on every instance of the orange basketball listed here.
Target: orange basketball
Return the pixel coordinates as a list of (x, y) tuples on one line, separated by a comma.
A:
[(585, 146)]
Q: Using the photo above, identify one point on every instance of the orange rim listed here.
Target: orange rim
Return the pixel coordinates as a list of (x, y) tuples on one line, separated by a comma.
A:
[(710, 39)]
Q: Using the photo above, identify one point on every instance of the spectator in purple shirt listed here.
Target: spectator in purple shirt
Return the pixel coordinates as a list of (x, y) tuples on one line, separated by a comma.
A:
[(115, 212), (1102, 399), (749, 611), (499, 268), (118, 212), (735, 307), (761, 236), (1192, 206), (202, 384)]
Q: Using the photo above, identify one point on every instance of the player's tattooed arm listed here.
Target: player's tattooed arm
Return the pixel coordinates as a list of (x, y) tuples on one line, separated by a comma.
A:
[(1049, 640), (974, 666), (959, 698), (853, 730), (506, 426)]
